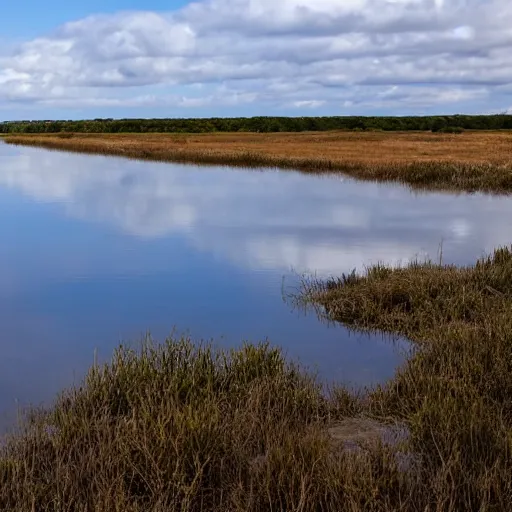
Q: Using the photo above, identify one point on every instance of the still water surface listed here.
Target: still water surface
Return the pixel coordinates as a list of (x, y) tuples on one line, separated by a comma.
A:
[(96, 250)]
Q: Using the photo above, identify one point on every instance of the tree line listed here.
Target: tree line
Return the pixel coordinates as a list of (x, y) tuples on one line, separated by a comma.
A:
[(452, 123)]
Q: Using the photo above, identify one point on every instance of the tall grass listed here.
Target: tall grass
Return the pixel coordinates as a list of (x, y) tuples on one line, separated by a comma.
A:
[(186, 427), (454, 394), (428, 162)]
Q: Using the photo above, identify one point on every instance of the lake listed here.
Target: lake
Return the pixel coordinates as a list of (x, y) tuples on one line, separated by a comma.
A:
[(96, 251)]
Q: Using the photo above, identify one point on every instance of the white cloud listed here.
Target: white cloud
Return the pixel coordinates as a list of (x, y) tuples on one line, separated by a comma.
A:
[(309, 103), (310, 54)]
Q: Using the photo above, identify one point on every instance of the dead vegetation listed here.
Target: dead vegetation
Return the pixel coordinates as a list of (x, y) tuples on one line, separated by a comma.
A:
[(470, 161)]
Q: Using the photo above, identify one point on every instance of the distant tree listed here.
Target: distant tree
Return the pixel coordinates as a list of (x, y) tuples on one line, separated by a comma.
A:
[(262, 124)]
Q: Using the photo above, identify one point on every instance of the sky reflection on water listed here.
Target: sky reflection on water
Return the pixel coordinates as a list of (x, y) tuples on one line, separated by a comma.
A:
[(96, 250)]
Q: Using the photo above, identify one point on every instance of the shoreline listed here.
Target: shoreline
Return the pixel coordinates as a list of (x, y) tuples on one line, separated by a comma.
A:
[(184, 426), (468, 162), (245, 429)]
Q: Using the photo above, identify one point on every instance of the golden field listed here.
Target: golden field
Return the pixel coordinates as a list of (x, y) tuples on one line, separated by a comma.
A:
[(469, 161)]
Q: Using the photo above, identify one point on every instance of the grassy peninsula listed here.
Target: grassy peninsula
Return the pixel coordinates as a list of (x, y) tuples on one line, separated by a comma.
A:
[(455, 392)]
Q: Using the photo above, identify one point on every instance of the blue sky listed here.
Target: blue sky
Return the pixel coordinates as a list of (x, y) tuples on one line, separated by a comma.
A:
[(254, 57), (30, 18)]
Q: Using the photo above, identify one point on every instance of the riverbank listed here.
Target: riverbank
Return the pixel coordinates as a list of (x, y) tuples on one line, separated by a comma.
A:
[(186, 427), (470, 161), (455, 393)]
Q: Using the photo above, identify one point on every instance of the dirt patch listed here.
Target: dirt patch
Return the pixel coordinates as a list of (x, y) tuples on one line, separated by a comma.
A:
[(359, 434)]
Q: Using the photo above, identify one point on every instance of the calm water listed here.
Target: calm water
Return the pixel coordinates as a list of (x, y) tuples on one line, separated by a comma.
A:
[(99, 250)]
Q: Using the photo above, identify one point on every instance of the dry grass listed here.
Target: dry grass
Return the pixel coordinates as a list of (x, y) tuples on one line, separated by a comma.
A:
[(454, 394), (181, 427), (469, 161)]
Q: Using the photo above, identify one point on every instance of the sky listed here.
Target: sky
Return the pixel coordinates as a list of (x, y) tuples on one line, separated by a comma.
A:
[(158, 58)]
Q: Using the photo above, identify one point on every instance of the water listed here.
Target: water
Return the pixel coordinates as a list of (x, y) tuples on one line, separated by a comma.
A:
[(99, 250)]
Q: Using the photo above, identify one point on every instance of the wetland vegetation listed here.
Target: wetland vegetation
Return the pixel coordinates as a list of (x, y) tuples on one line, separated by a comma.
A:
[(188, 426), (472, 161), (184, 427), (192, 427), (454, 394)]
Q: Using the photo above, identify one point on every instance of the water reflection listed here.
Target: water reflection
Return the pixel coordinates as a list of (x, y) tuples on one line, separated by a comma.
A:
[(262, 220), (95, 250)]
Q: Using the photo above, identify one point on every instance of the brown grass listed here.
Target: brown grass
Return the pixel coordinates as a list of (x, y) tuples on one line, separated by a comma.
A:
[(469, 161), (455, 392), (181, 427)]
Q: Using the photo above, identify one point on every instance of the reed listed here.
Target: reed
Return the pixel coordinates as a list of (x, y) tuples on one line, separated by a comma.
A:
[(186, 427), (472, 161), (454, 393), (181, 426)]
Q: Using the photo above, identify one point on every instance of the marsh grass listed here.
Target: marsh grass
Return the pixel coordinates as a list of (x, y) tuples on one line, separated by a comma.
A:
[(455, 392), (465, 162), (185, 427)]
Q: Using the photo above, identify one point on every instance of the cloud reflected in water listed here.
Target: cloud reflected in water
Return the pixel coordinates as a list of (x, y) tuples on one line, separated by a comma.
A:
[(264, 220)]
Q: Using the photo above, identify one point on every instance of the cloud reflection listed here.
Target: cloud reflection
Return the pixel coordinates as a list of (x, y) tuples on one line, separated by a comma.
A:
[(264, 220)]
